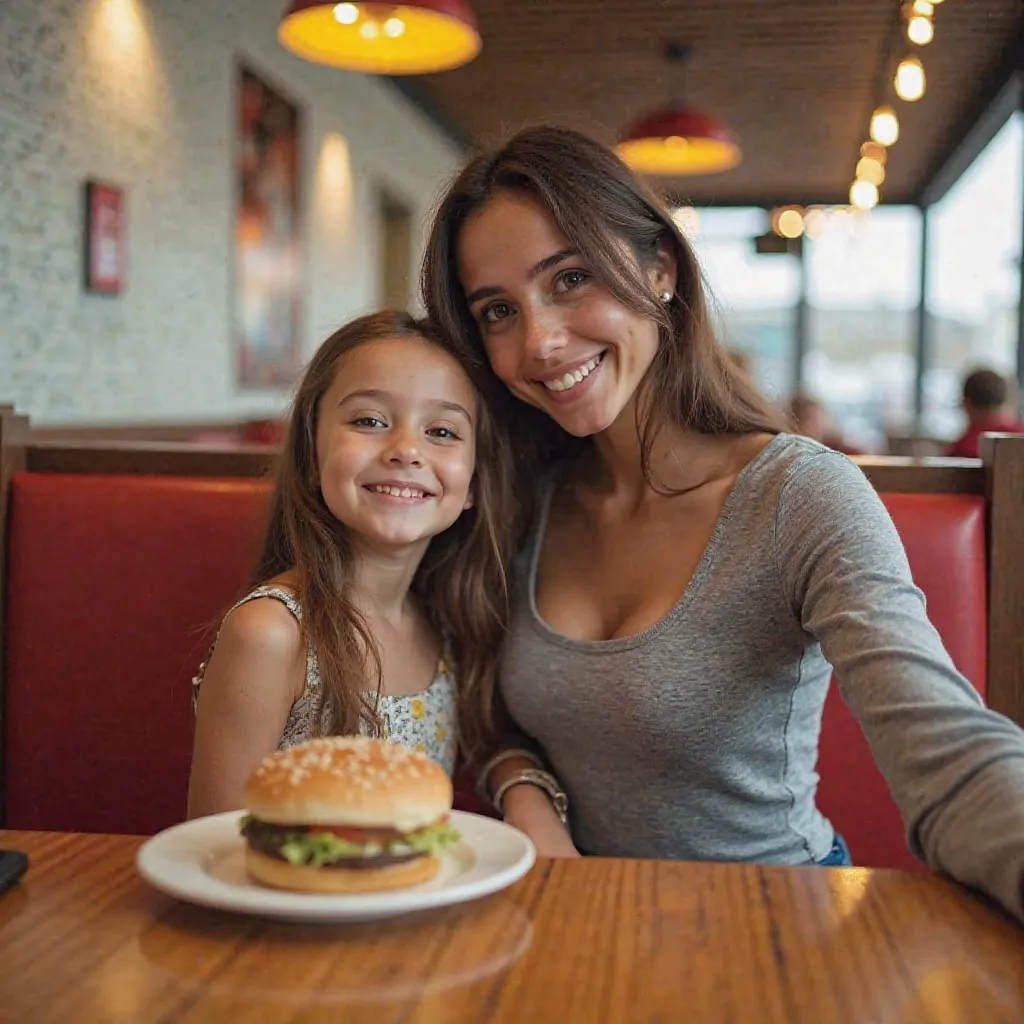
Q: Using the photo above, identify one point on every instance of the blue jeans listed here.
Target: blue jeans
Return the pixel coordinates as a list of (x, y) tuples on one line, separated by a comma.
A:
[(838, 856)]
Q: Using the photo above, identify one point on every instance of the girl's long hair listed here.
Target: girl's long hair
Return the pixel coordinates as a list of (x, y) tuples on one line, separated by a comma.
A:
[(460, 584), (598, 204)]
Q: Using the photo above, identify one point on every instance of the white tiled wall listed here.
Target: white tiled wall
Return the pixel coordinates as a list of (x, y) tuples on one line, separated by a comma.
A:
[(141, 93)]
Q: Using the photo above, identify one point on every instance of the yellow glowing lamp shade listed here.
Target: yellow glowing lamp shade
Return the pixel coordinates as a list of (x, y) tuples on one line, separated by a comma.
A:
[(416, 37), (885, 127), (680, 141)]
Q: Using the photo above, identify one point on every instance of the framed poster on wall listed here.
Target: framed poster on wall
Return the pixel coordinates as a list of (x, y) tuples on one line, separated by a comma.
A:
[(104, 238), (268, 278)]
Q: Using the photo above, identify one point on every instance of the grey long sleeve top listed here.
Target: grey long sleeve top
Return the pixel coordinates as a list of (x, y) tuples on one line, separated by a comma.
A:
[(698, 738)]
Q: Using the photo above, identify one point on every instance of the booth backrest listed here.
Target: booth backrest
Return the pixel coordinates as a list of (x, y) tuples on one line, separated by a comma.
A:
[(114, 584), (120, 561), (944, 536)]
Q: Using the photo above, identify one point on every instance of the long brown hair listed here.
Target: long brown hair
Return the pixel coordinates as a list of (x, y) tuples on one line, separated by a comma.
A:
[(597, 204), (460, 583)]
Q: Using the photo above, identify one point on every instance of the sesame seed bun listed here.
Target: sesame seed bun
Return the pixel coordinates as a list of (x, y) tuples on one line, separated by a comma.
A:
[(280, 874), (350, 781)]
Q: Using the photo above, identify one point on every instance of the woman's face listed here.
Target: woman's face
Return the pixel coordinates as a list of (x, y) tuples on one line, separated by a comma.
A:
[(554, 334)]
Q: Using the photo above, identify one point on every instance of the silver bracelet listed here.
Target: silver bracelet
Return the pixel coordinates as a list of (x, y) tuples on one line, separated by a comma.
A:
[(540, 779), (501, 757)]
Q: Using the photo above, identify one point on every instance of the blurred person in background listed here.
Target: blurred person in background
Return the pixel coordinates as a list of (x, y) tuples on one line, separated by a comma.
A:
[(989, 404), (810, 418)]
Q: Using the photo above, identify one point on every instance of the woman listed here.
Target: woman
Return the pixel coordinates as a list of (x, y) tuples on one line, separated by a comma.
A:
[(690, 573)]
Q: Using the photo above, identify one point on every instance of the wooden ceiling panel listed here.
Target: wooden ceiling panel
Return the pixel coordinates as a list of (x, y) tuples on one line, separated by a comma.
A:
[(796, 79)]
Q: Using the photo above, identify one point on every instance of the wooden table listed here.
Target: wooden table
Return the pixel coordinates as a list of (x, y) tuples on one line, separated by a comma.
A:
[(84, 939)]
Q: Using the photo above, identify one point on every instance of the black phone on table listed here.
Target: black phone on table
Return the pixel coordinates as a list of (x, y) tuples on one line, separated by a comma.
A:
[(12, 867)]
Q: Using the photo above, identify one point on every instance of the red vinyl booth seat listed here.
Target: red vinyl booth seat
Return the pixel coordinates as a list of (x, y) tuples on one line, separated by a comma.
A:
[(115, 586), (944, 536)]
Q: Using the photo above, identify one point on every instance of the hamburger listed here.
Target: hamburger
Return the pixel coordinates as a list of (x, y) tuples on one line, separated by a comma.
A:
[(346, 814)]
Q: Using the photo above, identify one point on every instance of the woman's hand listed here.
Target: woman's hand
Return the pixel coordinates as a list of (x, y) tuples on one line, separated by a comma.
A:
[(528, 809)]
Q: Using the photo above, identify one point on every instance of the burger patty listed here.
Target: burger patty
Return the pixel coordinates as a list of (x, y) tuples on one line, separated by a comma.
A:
[(268, 840)]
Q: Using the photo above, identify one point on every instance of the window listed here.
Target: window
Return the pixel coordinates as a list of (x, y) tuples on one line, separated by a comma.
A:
[(754, 297), (974, 252), (863, 285)]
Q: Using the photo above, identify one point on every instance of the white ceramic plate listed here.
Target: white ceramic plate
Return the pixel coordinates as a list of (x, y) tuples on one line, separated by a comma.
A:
[(202, 861)]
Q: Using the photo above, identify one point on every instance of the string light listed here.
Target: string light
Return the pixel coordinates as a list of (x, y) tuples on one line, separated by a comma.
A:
[(788, 221), (814, 222), (874, 151), (870, 170), (920, 31), (909, 81), (885, 126), (863, 195)]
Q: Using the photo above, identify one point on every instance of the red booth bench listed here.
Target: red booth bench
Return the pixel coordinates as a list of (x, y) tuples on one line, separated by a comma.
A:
[(121, 558)]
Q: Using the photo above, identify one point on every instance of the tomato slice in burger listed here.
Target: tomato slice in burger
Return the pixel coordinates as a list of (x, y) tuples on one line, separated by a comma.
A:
[(367, 835)]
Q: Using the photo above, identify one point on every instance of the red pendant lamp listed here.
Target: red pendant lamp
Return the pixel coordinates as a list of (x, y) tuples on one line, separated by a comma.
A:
[(413, 37), (678, 139)]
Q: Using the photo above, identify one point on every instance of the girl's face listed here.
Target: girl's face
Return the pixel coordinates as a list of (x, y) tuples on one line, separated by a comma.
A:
[(395, 441), (556, 337)]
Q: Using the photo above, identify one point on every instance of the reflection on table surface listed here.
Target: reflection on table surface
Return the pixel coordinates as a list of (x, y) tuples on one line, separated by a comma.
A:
[(84, 938)]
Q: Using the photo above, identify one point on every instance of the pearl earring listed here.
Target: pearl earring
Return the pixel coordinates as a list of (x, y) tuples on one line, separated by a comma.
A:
[(665, 296)]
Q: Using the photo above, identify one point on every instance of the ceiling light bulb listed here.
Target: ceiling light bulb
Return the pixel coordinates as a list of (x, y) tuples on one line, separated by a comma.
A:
[(394, 27), (885, 128), (870, 170), (920, 31), (874, 151), (814, 222), (863, 195), (346, 14), (909, 80), (791, 224)]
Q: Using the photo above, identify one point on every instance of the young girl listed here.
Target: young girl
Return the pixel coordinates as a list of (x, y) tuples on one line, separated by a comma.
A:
[(378, 603)]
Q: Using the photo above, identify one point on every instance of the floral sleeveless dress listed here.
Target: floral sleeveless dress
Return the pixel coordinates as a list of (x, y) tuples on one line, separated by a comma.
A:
[(425, 721)]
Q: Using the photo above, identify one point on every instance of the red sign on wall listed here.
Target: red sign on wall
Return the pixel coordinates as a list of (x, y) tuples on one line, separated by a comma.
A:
[(104, 238)]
